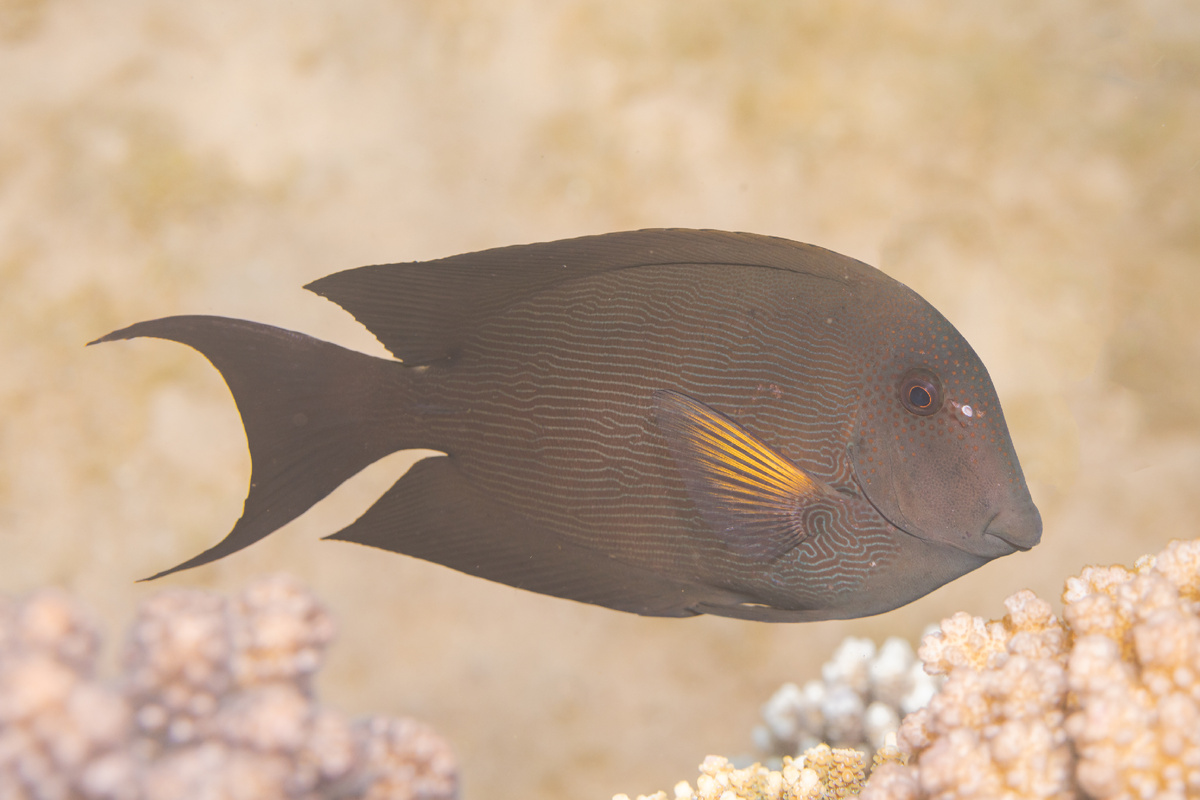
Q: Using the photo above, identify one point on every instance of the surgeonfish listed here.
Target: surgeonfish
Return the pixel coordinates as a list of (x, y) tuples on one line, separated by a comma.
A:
[(664, 422)]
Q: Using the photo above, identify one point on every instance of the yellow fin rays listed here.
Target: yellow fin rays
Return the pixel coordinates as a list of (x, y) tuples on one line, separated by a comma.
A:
[(750, 495)]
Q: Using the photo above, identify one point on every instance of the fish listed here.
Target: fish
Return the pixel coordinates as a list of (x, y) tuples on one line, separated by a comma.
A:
[(667, 422)]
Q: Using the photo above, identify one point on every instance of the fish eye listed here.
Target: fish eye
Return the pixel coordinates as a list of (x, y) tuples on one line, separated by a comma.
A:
[(921, 392)]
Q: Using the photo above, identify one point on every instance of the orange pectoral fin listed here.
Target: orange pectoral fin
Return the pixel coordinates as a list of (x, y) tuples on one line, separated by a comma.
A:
[(750, 495)]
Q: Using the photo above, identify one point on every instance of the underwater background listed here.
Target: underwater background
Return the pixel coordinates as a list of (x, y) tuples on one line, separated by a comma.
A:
[(1031, 169)]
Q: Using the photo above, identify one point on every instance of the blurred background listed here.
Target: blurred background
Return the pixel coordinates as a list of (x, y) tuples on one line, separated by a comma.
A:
[(1031, 168)]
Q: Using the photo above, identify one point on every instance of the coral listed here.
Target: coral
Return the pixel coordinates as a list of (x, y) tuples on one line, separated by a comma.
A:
[(821, 773), (1135, 675), (1102, 703), (406, 760), (996, 726), (215, 701), (858, 702), (58, 726)]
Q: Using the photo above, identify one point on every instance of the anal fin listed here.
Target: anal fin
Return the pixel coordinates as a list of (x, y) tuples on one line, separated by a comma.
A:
[(434, 513)]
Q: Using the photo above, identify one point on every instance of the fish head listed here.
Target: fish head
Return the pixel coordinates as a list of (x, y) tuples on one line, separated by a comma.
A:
[(931, 450)]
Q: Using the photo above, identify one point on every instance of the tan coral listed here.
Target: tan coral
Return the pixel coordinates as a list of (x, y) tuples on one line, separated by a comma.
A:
[(963, 641), (1180, 564), (280, 632), (406, 759), (1104, 703), (50, 621), (1029, 628), (54, 720), (1105, 706), (892, 781), (177, 662), (216, 701), (821, 773), (1136, 717)]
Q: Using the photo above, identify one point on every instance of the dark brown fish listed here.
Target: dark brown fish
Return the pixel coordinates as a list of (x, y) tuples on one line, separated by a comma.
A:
[(667, 422)]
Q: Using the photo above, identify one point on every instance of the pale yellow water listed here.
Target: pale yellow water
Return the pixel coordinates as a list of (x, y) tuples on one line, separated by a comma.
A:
[(1031, 168)]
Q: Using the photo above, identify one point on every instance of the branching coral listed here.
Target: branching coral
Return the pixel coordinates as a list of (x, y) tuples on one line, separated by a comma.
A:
[(1135, 676), (821, 773), (59, 728), (215, 701), (858, 702), (1104, 703), (996, 727)]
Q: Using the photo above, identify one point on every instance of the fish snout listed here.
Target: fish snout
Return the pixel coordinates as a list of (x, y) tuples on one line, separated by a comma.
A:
[(1019, 526)]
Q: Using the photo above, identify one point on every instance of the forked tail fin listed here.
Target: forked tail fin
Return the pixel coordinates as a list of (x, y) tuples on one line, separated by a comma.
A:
[(315, 414)]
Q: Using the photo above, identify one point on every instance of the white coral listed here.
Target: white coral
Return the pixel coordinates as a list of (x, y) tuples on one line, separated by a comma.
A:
[(858, 702)]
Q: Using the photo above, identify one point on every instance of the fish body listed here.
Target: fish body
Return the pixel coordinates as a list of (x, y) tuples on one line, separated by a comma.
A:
[(667, 422)]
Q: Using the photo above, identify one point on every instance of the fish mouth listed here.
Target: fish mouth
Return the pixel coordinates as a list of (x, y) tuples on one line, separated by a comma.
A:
[(1020, 529), (1006, 531), (1000, 541), (994, 545)]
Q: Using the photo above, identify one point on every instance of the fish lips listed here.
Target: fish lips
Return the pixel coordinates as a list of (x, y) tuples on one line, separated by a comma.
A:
[(1006, 533), (1019, 528)]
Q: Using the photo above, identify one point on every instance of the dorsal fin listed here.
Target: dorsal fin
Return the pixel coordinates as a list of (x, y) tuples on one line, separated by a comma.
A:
[(422, 311)]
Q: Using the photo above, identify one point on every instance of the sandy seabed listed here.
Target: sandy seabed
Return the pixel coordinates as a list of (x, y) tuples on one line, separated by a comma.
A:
[(1032, 169)]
